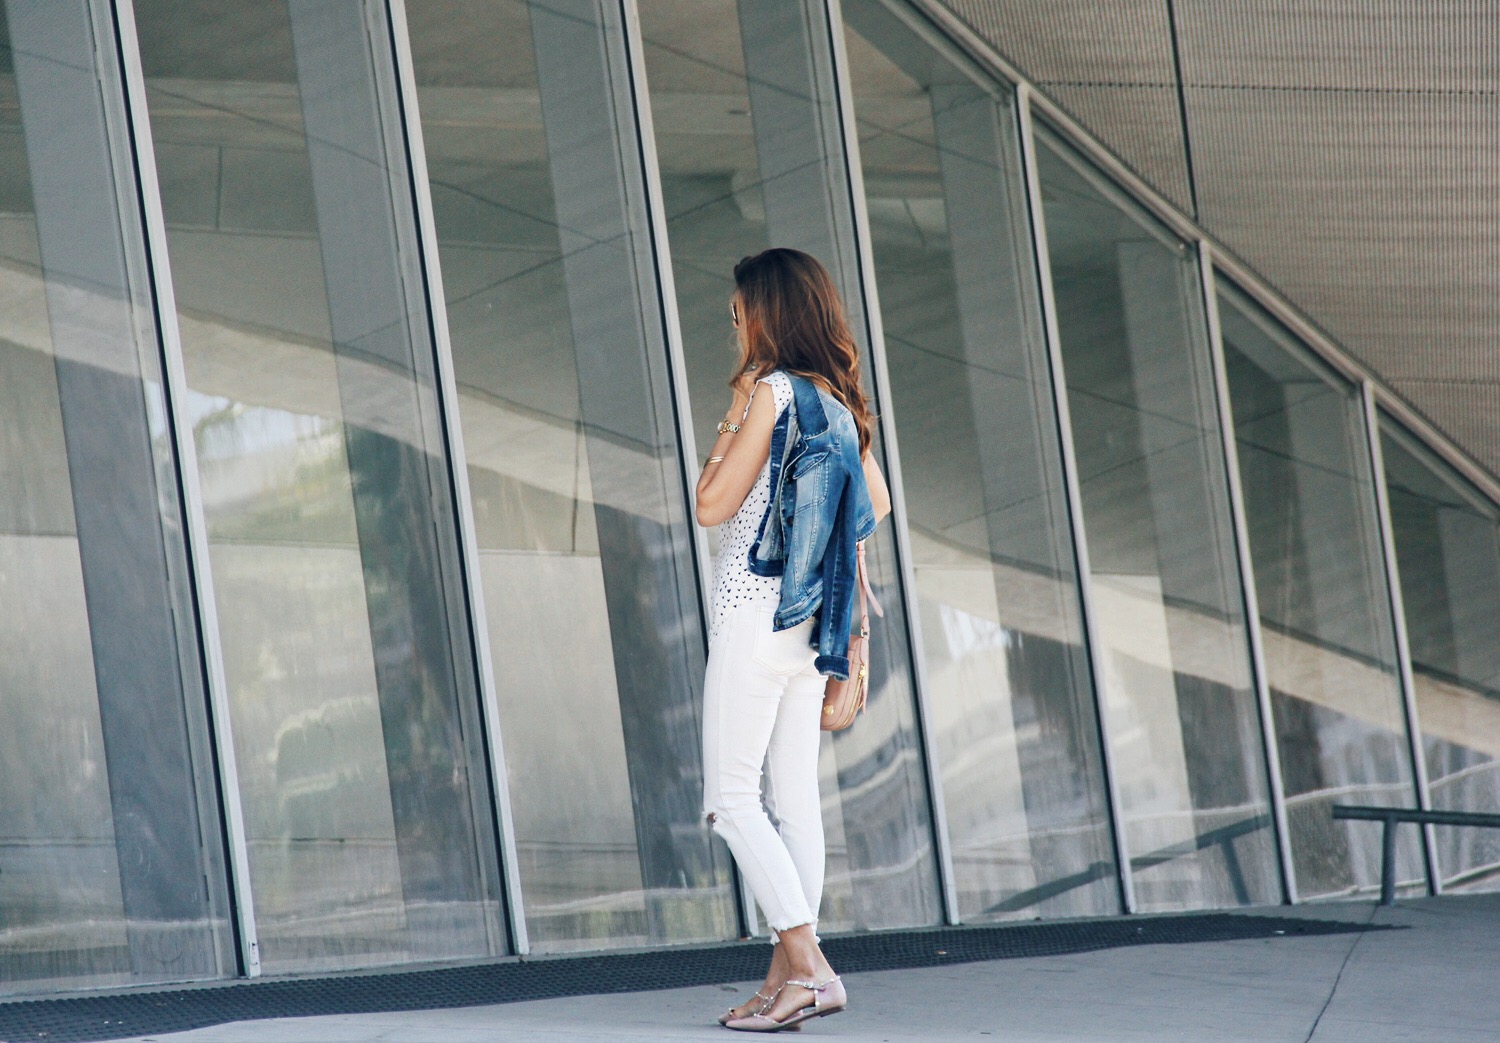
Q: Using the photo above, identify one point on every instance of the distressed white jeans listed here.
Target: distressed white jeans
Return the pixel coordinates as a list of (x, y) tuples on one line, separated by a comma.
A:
[(762, 701)]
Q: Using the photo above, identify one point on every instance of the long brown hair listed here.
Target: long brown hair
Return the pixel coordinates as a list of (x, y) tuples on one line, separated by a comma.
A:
[(794, 320)]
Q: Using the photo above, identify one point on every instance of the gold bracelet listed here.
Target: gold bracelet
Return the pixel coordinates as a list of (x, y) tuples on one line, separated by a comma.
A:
[(713, 460), (728, 427)]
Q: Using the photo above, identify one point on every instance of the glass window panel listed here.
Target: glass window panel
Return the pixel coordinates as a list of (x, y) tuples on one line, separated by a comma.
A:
[(1011, 699), (565, 402), (1180, 709), (1448, 556), (111, 863), (324, 484), (749, 145), (1330, 649)]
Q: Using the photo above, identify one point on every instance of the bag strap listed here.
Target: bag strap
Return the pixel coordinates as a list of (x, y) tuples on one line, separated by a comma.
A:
[(867, 598)]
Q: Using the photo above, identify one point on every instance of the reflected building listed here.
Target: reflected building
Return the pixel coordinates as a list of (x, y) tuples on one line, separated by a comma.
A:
[(356, 363)]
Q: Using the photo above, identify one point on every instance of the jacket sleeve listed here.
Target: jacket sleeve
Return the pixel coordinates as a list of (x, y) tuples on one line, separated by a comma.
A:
[(837, 613), (816, 488)]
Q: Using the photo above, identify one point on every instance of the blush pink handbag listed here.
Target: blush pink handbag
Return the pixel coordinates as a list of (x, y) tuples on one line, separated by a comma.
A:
[(845, 700)]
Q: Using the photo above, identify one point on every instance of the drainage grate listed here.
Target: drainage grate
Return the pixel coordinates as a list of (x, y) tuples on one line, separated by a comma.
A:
[(141, 1013)]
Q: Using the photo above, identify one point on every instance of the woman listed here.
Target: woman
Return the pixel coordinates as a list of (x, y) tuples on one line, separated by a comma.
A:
[(781, 603)]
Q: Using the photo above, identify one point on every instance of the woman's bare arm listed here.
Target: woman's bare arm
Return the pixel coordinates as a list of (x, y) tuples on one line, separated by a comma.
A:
[(880, 493), (723, 486)]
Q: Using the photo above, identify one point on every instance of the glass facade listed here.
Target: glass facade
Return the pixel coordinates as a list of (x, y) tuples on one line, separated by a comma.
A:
[(1448, 555), (1011, 707), (1325, 614), (1178, 697), (584, 539), (748, 142), (112, 866), (355, 366), (1325, 617), (311, 395)]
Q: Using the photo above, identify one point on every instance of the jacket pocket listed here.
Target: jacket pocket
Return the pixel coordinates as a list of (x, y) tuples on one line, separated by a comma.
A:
[(810, 477)]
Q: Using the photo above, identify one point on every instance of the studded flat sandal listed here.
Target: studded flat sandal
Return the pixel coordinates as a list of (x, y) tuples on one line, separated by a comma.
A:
[(828, 998), (728, 1015)]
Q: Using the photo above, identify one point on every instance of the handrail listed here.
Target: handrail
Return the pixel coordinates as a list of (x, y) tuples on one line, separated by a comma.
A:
[(1391, 817), (1224, 837), (1430, 818)]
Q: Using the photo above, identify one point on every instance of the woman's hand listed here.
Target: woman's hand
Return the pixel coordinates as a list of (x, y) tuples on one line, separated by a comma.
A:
[(744, 390)]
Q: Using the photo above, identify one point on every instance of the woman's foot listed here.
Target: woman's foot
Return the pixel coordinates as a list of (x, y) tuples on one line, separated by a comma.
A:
[(777, 973), (754, 1005), (797, 1001), (806, 986)]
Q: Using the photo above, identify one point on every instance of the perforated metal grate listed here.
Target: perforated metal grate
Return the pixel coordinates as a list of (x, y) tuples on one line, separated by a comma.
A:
[(1110, 65), (1346, 149), (158, 1011)]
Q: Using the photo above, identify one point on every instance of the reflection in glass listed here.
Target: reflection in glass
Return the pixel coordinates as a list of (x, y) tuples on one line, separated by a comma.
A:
[(111, 866), (1330, 649), (323, 483), (1180, 710), (585, 550), (1011, 702), (1448, 556), (749, 145)]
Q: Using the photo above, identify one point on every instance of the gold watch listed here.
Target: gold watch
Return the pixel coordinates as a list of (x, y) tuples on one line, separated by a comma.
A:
[(727, 428)]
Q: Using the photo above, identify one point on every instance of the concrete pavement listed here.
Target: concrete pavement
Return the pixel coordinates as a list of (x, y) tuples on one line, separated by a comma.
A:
[(1436, 979)]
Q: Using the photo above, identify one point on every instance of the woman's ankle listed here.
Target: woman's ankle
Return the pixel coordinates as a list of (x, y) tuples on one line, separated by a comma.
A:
[(818, 972), (777, 972)]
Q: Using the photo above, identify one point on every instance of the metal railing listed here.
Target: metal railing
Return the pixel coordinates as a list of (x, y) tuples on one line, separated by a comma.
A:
[(1391, 817), (1223, 838)]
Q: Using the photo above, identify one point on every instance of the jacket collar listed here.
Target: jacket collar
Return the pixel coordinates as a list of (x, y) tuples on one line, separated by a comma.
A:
[(812, 419)]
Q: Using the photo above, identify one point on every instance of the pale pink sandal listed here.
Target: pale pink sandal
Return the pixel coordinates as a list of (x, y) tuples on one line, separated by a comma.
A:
[(728, 1015), (828, 998)]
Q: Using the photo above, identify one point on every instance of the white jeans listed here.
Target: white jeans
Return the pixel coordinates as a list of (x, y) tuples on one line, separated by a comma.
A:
[(762, 701)]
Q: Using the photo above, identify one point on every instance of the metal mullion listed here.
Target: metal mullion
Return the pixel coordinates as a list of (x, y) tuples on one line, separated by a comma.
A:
[(1398, 622), (666, 288), (881, 382), (1064, 421), (1225, 409), (175, 392), (448, 399)]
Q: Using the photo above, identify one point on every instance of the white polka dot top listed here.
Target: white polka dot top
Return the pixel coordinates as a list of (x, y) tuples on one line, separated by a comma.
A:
[(734, 583)]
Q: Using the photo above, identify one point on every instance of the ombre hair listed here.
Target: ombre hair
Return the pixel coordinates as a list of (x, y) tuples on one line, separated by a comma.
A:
[(794, 320)]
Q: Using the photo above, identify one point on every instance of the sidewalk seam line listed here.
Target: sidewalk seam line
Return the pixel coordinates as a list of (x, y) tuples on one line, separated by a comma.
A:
[(1313, 1031)]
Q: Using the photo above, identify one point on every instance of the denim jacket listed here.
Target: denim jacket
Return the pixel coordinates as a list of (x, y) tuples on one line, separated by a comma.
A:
[(820, 508)]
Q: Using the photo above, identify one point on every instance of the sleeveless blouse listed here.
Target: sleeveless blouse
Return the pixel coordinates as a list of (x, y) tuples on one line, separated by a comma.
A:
[(734, 584)]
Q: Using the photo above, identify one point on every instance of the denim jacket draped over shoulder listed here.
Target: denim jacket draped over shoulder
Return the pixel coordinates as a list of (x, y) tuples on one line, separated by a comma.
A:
[(820, 508)]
